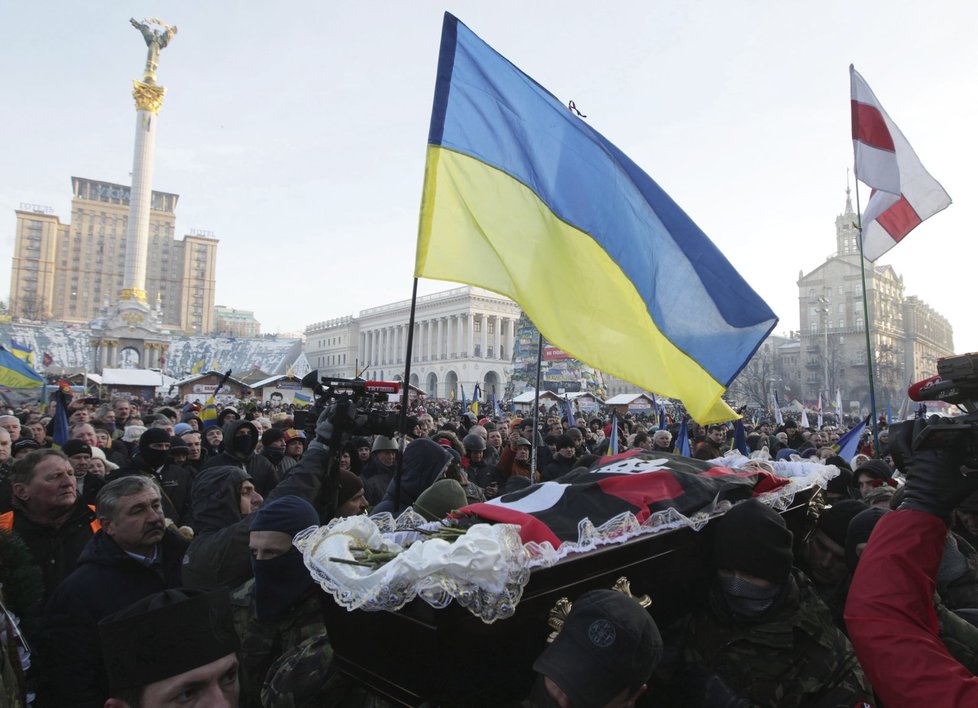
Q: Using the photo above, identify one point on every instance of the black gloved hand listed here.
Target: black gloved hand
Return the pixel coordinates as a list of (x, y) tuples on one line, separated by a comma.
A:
[(936, 480), (324, 429)]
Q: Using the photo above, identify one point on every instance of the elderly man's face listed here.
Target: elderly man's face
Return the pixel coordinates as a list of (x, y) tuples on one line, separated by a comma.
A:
[(85, 433), (51, 489), (662, 439), (12, 426), (80, 463), (138, 524), (5, 445)]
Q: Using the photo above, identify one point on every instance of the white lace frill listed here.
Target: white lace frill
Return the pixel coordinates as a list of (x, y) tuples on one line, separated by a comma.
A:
[(484, 570)]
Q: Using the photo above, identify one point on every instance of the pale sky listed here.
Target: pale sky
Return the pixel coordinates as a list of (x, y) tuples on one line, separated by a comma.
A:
[(296, 131)]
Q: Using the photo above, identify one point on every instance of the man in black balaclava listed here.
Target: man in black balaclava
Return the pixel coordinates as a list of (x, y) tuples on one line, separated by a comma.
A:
[(152, 459), (762, 618), (240, 441)]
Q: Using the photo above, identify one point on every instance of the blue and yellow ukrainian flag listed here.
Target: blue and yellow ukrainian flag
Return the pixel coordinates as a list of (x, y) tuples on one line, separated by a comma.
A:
[(198, 367), (22, 352), (208, 415), (16, 373), (521, 197)]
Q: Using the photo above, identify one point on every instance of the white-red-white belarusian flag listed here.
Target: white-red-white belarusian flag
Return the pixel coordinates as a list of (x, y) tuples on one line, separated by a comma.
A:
[(904, 193)]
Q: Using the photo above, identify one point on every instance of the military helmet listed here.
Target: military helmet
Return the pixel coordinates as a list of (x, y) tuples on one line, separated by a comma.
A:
[(382, 442), (474, 441)]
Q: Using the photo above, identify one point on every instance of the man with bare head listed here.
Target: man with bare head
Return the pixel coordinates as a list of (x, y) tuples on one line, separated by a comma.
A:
[(11, 424)]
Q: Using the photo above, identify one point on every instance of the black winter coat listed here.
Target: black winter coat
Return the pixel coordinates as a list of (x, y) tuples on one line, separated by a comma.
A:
[(106, 580), (55, 549)]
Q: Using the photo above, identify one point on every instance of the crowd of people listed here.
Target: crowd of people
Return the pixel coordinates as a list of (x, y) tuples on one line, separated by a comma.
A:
[(147, 560)]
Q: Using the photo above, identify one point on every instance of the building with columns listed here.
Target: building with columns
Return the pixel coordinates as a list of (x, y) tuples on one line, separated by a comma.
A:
[(462, 337)]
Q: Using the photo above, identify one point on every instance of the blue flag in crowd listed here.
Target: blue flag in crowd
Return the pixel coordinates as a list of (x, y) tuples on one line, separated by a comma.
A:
[(848, 444), (495, 406), (465, 404), (569, 414), (740, 438), (682, 440)]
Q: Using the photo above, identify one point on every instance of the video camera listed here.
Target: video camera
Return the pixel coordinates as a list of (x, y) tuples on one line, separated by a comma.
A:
[(956, 383), (355, 404)]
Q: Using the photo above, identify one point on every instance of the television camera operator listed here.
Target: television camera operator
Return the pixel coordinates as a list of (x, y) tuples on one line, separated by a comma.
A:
[(890, 610)]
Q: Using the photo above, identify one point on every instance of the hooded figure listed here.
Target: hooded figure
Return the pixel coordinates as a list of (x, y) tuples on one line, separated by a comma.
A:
[(219, 555), (153, 460), (240, 441), (424, 463)]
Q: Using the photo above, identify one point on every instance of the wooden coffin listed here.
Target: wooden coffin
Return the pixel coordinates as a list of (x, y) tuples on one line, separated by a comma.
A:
[(449, 657)]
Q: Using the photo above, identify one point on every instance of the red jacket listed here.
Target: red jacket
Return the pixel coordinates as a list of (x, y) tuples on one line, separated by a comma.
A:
[(891, 619)]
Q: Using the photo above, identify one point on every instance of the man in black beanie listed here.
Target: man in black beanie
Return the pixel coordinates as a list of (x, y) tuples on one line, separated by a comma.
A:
[(174, 646), (763, 635)]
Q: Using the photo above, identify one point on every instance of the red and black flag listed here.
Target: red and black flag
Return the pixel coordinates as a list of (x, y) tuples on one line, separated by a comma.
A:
[(638, 482)]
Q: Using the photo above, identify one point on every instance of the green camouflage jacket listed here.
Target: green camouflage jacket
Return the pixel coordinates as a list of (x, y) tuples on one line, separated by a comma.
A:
[(794, 658), (263, 644)]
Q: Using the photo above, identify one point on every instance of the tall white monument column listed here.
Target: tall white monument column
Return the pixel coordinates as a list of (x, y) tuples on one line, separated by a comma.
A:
[(149, 99)]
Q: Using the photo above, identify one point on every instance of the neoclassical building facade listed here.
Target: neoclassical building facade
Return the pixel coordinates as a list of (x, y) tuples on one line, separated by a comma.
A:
[(462, 337)]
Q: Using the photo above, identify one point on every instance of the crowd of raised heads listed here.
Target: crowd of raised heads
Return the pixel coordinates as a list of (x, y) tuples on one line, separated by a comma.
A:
[(147, 560)]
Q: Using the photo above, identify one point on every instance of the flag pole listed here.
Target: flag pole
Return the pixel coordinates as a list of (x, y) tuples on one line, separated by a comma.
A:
[(405, 397), (536, 408), (869, 343)]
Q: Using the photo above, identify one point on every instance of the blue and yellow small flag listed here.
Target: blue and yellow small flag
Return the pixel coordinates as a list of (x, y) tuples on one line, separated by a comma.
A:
[(22, 351), (198, 367), (208, 415)]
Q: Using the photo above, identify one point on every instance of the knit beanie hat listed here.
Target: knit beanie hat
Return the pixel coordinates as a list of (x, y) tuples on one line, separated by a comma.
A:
[(272, 435), (841, 485), (754, 539), (834, 520), (860, 528), (875, 467), (565, 441), (350, 484), (440, 499), (289, 514)]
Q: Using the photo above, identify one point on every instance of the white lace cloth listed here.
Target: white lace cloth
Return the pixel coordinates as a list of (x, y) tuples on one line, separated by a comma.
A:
[(486, 569)]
